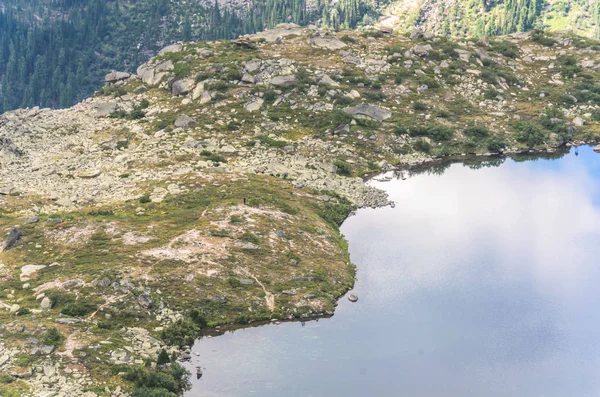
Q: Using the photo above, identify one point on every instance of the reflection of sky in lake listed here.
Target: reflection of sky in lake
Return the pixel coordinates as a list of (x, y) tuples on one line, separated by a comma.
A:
[(478, 283)]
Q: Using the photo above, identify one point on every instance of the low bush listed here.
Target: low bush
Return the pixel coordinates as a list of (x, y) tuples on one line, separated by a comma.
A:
[(342, 168)]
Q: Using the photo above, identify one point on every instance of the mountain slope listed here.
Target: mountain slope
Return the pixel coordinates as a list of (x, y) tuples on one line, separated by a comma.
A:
[(207, 189), (494, 17)]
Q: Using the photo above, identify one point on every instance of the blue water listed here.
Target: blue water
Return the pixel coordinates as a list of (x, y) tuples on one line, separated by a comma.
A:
[(478, 283)]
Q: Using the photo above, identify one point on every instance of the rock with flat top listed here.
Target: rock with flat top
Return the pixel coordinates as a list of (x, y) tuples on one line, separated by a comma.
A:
[(368, 111)]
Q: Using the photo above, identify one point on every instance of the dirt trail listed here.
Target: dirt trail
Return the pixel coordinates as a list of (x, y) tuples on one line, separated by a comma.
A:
[(269, 297)]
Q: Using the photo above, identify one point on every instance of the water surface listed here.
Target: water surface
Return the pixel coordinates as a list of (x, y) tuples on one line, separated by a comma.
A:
[(480, 282)]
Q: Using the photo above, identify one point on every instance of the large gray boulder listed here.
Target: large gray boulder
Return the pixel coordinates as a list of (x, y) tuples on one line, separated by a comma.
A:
[(184, 121), (422, 50), (171, 48), (115, 77), (105, 108), (284, 81), (368, 111), (152, 74), (328, 42), (182, 87), (280, 31)]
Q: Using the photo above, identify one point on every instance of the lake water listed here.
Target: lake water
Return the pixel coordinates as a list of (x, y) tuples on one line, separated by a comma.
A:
[(480, 282)]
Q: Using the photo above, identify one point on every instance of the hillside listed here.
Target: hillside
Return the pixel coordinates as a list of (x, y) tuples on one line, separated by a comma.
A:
[(494, 17), (55, 53), (207, 188)]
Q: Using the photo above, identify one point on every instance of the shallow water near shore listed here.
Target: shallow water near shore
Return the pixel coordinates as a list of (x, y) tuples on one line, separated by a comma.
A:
[(482, 281)]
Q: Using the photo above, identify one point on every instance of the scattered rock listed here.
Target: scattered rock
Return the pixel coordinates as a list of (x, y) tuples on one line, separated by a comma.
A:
[(183, 121), (13, 236), (369, 111)]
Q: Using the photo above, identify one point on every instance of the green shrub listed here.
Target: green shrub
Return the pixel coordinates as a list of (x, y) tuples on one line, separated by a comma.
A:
[(53, 337), (342, 168), (234, 282), (496, 144), (235, 219), (529, 133), (198, 319), (335, 214), (182, 70), (145, 198), (168, 381), (180, 333), (78, 309), (505, 48), (163, 357), (422, 146), (419, 106), (541, 38), (269, 96), (476, 132), (250, 238)]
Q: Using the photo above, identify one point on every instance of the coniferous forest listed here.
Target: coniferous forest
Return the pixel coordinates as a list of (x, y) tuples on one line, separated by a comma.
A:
[(53, 54)]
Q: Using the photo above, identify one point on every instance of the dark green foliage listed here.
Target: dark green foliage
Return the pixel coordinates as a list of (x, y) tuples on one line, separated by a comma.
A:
[(180, 333), (437, 133), (167, 381), (144, 199), (541, 38), (214, 157), (335, 214), (419, 107), (476, 132), (53, 337), (496, 144), (568, 66), (269, 96), (505, 48), (342, 168), (250, 238), (78, 309), (163, 357), (182, 70), (198, 319), (422, 146), (530, 133)]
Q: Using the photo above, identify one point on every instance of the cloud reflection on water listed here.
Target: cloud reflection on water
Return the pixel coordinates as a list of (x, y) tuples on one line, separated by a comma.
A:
[(478, 283)]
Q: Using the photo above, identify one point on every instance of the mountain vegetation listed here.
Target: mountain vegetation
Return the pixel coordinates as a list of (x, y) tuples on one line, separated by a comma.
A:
[(53, 54)]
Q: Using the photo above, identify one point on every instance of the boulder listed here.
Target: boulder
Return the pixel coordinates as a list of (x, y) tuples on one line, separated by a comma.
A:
[(11, 240), (105, 108), (284, 81), (171, 48), (422, 50), (152, 74), (280, 31), (464, 55), (326, 80), (328, 42), (253, 65), (8, 189), (114, 77), (145, 301), (183, 121), (353, 298), (369, 111), (578, 121), (597, 149), (46, 303), (254, 104), (182, 87)]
